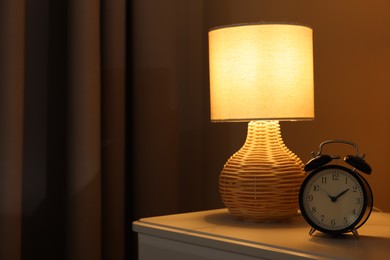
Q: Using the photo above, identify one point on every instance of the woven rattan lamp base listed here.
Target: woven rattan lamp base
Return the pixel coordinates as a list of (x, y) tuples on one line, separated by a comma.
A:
[(261, 181)]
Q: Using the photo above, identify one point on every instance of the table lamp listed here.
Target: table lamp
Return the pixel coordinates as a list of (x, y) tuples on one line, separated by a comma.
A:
[(261, 73)]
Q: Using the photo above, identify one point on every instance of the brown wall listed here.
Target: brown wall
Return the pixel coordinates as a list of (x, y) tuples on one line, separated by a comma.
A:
[(179, 153)]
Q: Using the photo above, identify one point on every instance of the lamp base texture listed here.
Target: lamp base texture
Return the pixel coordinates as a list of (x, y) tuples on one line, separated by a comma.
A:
[(261, 181)]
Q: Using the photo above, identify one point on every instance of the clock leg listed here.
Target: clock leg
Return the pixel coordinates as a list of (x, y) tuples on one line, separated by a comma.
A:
[(312, 231), (355, 233)]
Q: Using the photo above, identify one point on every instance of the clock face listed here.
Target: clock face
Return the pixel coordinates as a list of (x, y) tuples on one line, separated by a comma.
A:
[(333, 199)]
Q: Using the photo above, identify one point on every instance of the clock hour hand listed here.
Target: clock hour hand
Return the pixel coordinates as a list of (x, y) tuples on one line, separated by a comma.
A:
[(339, 195)]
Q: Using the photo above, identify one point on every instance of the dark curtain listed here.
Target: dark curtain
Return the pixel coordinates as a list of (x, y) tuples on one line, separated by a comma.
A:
[(62, 129)]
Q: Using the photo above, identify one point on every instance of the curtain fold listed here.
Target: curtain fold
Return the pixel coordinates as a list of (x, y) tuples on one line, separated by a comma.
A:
[(11, 125), (84, 148), (113, 57), (62, 129)]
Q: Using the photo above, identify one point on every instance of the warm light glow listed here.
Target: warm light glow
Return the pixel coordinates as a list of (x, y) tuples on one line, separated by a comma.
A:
[(261, 71)]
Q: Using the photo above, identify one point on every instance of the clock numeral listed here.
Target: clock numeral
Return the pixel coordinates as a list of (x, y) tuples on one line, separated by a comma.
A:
[(333, 222), (316, 188), (354, 188), (323, 179), (309, 198), (345, 220), (358, 200), (346, 180), (354, 211), (335, 176), (322, 218), (313, 209)]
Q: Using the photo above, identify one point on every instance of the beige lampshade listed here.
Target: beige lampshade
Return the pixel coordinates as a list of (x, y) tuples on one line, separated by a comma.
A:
[(261, 71)]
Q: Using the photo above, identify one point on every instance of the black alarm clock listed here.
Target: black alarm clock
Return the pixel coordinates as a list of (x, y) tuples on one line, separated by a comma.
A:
[(336, 199)]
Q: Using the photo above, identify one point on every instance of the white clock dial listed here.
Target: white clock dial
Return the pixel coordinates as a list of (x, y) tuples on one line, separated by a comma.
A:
[(333, 199)]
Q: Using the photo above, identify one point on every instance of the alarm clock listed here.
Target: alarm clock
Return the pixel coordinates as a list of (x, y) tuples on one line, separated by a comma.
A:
[(333, 198)]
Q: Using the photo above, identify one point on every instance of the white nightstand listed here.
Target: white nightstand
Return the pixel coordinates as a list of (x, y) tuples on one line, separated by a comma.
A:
[(215, 234)]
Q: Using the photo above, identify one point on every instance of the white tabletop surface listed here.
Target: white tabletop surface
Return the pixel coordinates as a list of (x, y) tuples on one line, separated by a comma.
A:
[(218, 228)]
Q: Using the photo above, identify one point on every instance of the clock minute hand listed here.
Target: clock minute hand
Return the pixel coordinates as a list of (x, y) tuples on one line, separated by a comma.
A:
[(339, 195), (326, 193)]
